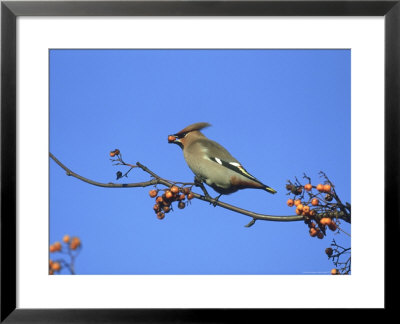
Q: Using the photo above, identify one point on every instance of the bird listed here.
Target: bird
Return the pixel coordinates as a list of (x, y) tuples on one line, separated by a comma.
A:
[(212, 163)]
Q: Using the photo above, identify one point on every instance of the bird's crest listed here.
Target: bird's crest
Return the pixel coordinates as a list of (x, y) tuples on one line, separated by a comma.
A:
[(193, 127)]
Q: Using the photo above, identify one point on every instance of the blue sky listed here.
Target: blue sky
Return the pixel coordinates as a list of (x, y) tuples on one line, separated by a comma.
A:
[(279, 112)]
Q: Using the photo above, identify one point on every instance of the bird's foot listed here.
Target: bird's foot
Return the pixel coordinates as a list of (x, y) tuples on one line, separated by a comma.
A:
[(215, 200), (199, 183)]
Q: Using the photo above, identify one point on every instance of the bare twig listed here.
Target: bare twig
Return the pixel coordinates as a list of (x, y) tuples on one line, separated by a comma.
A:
[(344, 267)]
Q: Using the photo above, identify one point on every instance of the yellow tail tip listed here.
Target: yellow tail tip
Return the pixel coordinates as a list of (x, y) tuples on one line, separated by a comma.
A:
[(270, 190)]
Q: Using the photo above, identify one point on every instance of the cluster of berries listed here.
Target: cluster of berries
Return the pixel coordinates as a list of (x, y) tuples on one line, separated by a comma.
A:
[(314, 207), (164, 202), (70, 243)]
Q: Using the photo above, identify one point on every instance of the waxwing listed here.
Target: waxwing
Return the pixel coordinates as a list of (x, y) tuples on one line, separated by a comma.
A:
[(212, 163)]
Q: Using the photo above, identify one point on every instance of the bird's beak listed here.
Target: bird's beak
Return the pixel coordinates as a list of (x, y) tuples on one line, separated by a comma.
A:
[(174, 140)]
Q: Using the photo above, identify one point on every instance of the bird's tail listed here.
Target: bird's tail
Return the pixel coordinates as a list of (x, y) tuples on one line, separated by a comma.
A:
[(270, 190)]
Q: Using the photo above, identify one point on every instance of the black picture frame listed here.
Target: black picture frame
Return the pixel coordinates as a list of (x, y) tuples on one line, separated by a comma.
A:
[(10, 10)]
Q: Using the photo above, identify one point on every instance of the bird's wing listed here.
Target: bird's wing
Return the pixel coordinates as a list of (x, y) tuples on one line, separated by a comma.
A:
[(218, 154), (235, 166), (212, 148)]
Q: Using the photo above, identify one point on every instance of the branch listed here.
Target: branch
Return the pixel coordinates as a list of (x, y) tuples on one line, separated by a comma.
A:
[(110, 184), (158, 180)]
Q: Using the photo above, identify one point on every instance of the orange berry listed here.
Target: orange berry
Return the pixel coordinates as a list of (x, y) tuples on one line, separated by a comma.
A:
[(297, 202), (328, 251), (190, 196), (112, 154), (313, 232), (50, 262), (312, 212), (181, 205), (52, 248), (159, 200), (315, 202), (160, 215), (308, 186), (66, 238), (181, 197), (326, 221), (166, 209), (320, 187), (327, 188), (328, 197), (186, 190), (153, 193), (300, 207), (156, 208), (306, 209), (51, 272), (320, 235), (174, 190), (334, 271), (290, 202), (56, 266), (332, 226), (171, 138), (75, 243), (168, 194), (298, 211), (57, 246), (311, 225)]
